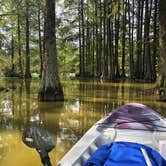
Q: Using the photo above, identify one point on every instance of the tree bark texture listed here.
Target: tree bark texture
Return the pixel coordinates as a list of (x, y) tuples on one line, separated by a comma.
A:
[(50, 89), (162, 44), (19, 46), (27, 66)]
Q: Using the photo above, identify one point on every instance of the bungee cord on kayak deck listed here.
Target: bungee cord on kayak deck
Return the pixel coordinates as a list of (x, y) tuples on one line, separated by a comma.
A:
[(117, 126)]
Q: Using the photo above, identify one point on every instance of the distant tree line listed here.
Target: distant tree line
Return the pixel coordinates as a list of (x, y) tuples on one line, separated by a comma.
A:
[(116, 38), (119, 39), (21, 26), (108, 39)]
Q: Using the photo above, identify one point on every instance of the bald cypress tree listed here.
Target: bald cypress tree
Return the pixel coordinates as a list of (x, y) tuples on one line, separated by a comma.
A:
[(50, 89), (27, 66), (162, 43)]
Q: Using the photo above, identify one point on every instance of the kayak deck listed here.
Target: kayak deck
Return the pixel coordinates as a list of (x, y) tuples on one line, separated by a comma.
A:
[(130, 123)]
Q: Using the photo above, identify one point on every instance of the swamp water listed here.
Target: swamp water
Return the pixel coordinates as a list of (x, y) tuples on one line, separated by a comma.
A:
[(86, 102)]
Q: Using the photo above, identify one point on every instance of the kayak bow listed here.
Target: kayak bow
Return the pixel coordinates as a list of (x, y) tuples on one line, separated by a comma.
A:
[(132, 122)]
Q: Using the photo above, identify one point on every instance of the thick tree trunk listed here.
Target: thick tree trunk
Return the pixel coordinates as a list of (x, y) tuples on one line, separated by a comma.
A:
[(12, 55), (105, 53), (50, 89), (40, 41), (148, 65), (111, 71), (131, 61), (44, 38), (155, 40), (162, 43)]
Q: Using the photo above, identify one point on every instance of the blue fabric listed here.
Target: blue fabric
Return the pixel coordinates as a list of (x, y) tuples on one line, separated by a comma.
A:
[(124, 154)]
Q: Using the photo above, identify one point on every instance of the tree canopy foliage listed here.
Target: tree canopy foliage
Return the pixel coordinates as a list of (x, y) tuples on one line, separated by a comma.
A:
[(103, 39)]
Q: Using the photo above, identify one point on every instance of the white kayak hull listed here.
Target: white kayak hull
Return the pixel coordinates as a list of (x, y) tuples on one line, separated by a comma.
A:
[(98, 135)]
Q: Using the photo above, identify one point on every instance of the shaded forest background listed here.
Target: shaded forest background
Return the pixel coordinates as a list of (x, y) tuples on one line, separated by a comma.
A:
[(95, 38)]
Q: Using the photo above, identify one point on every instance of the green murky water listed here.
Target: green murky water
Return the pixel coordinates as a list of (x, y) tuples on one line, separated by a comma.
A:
[(86, 102)]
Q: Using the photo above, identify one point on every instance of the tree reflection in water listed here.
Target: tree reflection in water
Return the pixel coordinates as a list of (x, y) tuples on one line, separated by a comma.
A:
[(86, 102)]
